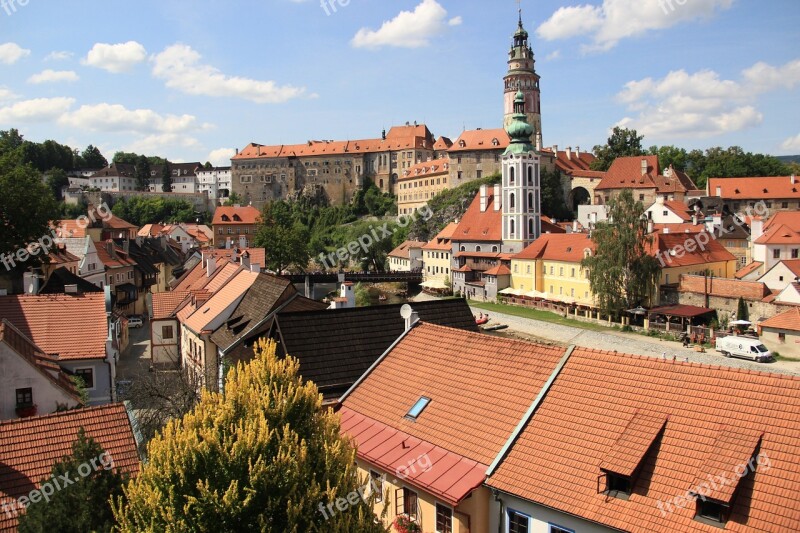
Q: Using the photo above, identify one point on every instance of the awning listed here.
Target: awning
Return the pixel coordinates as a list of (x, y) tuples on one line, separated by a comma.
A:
[(681, 311), (433, 284), (535, 294), (510, 291)]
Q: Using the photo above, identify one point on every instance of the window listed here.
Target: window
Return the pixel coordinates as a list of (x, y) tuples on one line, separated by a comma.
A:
[(776, 254), (709, 510), (87, 375), (641, 198), (409, 503), (782, 337), (518, 522), (558, 529), (512, 200), (511, 175), (617, 484), (418, 407), (444, 519), (795, 253), (376, 485), (167, 332), (25, 397), (784, 205)]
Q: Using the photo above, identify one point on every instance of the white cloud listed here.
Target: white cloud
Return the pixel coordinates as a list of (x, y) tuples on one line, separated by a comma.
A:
[(115, 58), (683, 105), (116, 118), (58, 55), (792, 144), (53, 76), (35, 110), (179, 65), (159, 143), (409, 29), (7, 94), (10, 53), (552, 56), (615, 20), (221, 157)]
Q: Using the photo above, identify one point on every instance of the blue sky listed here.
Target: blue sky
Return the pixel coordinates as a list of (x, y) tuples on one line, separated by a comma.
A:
[(193, 80)]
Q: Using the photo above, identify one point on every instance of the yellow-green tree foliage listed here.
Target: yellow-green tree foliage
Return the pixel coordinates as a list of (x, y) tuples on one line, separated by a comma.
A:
[(263, 456)]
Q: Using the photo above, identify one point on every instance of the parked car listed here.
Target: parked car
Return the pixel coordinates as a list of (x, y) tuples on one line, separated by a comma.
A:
[(745, 347), (135, 322)]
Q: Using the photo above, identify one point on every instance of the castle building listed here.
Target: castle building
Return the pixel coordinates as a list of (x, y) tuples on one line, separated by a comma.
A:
[(522, 77)]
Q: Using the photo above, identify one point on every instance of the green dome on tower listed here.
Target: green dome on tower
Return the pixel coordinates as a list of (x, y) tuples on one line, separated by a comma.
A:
[(519, 129)]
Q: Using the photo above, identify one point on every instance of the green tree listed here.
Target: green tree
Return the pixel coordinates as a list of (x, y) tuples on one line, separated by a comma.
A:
[(84, 505), (92, 158), (263, 456), (142, 173), (166, 177), (127, 158), (233, 199), (27, 205), (622, 274), (670, 155), (742, 311), (553, 204), (622, 143), (285, 240), (57, 179)]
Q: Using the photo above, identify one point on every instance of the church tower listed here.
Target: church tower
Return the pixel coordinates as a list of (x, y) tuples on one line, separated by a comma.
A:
[(522, 77), (522, 216)]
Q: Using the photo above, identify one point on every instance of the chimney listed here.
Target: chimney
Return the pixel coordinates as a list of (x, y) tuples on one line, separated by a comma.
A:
[(228, 243), (211, 265), (574, 226), (110, 249), (719, 191), (578, 152), (555, 150), (126, 246), (235, 254), (483, 198), (756, 228), (569, 152), (793, 179), (237, 151), (694, 219), (498, 200), (242, 242), (644, 167), (538, 141)]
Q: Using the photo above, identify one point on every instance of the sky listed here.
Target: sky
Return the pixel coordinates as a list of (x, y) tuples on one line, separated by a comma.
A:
[(194, 80)]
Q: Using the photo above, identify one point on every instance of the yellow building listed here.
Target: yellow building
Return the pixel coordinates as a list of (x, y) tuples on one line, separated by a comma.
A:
[(420, 183), (436, 259), (550, 269)]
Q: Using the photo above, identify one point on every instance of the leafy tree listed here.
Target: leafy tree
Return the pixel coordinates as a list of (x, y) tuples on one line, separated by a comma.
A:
[(286, 241), (57, 179), (128, 158), (141, 210), (622, 143), (27, 205), (233, 199), (553, 204), (84, 505), (166, 178), (10, 140), (263, 456), (92, 158), (622, 274), (142, 173), (670, 155)]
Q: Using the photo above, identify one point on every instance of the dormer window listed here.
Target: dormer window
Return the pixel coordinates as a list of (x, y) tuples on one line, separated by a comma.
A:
[(237, 218), (622, 463), (226, 218), (712, 511), (618, 486)]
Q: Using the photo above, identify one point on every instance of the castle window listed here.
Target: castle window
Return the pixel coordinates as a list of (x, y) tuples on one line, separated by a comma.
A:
[(512, 201), (511, 172)]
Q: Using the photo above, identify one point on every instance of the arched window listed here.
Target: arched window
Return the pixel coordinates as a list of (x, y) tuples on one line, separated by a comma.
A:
[(511, 228), (494, 249), (477, 248), (530, 201), (512, 203), (511, 172), (530, 175), (530, 227), (463, 248)]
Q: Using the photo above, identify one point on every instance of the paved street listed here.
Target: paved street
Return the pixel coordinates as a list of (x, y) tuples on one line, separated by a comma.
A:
[(136, 361)]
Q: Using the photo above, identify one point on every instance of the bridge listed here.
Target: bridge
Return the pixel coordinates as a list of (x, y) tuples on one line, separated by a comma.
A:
[(311, 279)]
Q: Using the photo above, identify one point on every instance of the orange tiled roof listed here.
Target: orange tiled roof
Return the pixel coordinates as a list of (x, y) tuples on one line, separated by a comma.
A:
[(221, 301), (726, 288), (165, 303), (236, 215), (258, 256), (574, 163), (755, 265), (666, 242), (435, 167), (556, 459), (442, 143), (469, 140), (442, 240), (567, 247), (404, 250), (679, 208), (499, 270), (766, 188), (50, 321), (120, 261), (787, 218), (779, 234), (478, 226), (69, 228), (151, 230), (793, 265), (626, 173), (29, 447), (479, 395), (787, 320)]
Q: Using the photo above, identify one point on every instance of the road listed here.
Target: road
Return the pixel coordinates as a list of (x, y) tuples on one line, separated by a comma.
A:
[(135, 362)]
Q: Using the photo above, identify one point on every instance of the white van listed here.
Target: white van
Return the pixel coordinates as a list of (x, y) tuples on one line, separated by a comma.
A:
[(745, 347)]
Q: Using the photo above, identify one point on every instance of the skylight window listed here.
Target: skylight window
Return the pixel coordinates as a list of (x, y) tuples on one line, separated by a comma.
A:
[(418, 407)]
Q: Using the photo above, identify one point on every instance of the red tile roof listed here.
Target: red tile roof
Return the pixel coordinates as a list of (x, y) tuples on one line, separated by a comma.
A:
[(120, 261), (404, 250), (258, 256), (230, 215), (220, 302), (793, 265), (470, 140), (556, 459), (787, 320), (679, 208), (442, 143), (442, 241), (664, 244), (50, 322), (726, 288), (766, 188), (755, 265), (483, 386), (70, 228), (166, 303), (29, 448), (778, 234), (436, 167), (575, 163), (567, 247), (481, 226), (499, 270), (626, 173)]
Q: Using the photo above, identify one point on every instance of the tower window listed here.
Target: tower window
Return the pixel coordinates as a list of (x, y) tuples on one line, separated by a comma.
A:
[(512, 201), (511, 173), (530, 176)]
